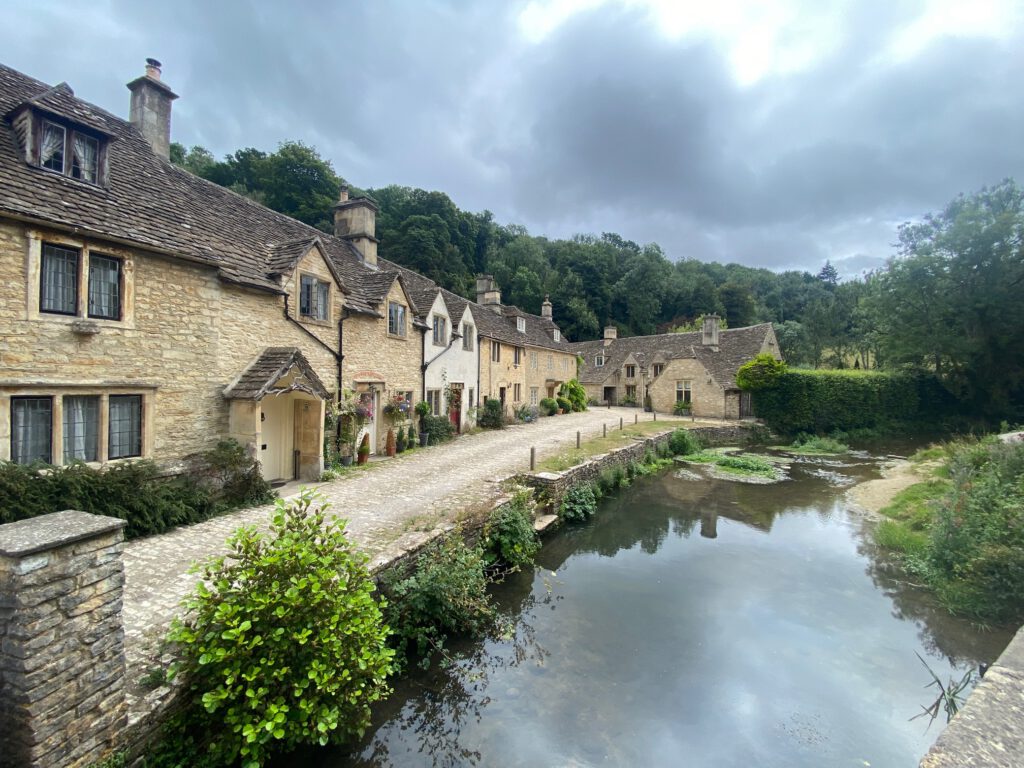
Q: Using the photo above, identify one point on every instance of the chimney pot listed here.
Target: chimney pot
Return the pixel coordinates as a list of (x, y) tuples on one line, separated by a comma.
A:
[(611, 333), (343, 196), (487, 293), (355, 220), (545, 308), (150, 109)]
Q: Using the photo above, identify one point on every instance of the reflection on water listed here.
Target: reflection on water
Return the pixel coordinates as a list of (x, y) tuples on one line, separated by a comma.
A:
[(692, 622)]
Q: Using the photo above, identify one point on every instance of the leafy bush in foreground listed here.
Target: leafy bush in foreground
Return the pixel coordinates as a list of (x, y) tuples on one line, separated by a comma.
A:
[(578, 504), (283, 643), (509, 535), (682, 442)]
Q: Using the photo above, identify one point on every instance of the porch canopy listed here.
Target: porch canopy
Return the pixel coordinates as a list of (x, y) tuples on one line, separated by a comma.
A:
[(277, 412)]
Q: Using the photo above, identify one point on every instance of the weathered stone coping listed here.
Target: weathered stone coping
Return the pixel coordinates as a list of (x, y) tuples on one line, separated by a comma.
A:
[(988, 732), (58, 529)]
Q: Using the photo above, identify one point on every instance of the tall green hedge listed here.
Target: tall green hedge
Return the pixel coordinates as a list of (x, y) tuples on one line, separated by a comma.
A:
[(821, 401)]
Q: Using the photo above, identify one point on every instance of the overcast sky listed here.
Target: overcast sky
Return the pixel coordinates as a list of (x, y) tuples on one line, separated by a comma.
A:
[(775, 134)]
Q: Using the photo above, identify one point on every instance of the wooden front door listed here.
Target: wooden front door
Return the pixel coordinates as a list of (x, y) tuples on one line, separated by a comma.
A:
[(455, 406)]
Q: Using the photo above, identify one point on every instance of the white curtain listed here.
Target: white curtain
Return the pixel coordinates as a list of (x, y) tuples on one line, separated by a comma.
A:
[(85, 157), (104, 287), (52, 144), (81, 427), (30, 422), (322, 292)]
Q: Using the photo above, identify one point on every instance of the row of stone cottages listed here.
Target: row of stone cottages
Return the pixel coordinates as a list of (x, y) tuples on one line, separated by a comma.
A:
[(145, 312)]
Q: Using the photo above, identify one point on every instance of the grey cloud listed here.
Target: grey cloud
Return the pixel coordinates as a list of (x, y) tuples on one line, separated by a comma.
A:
[(603, 126)]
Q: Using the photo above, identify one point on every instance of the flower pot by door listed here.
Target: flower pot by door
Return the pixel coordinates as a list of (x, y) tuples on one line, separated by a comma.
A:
[(423, 439)]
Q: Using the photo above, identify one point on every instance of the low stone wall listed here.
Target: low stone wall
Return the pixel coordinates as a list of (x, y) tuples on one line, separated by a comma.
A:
[(552, 486), (62, 666), (988, 732)]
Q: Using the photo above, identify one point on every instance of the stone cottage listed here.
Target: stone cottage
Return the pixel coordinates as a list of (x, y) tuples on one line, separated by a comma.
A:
[(697, 368), (523, 357)]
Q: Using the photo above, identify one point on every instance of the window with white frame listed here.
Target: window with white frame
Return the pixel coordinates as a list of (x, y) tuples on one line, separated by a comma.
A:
[(683, 391), (440, 330), (314, 298), (551, 362), (467, 336), (533, 359), (434, 401), (517, 393), (534, 395), (517, 355), (521, 324), (396, 318), (599, 361), (558, 335), (495, 352)]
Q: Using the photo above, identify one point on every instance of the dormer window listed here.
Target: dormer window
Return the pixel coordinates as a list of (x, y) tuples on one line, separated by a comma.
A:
[(599, 361), (69, 152), (521, 324), (630, 371), (558, 335)]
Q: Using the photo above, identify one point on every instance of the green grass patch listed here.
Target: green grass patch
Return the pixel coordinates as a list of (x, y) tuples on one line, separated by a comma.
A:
[(701, 457), (749, 466), (912, 506), (899, 537), (809, 445)]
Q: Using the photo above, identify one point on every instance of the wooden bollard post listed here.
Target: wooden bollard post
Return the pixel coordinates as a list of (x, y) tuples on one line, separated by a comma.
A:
[(636, 418), (533, 458), (620, 423), (655, 415), (577, 439), (604, 430)]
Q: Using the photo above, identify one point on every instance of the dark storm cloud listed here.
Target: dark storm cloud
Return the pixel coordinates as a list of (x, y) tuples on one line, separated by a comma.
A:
[(604, 125)]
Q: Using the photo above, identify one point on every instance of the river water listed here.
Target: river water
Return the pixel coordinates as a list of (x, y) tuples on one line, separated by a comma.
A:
[(694, 622)]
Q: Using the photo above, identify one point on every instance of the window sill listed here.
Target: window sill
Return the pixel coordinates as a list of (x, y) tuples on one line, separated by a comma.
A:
[(307, 320), (396, 337), (70, 320)]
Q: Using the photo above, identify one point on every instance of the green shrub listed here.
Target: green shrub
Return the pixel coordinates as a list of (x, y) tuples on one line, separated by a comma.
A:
[(564, 403), (438, 428), (746, 465), (574, 392), (445, 594), (763, 371), (612, 479), (811, 444), (549, 406), (509, 535), (682, 408), (283, 643), (578, 504), (899, 538), (491, 417), (682, 442), (133, 491), (236, 478), (822, 401), (422, 408)]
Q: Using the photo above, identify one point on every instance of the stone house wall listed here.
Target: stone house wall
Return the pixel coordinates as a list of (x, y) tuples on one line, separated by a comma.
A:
[(547, 371), (187, 336), (707, 396), (504, 373), (393, 362)]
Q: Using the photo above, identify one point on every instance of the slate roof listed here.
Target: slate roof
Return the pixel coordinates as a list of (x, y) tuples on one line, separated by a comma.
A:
[(150, 203), (502, 326), (265, 371), (736, 346)]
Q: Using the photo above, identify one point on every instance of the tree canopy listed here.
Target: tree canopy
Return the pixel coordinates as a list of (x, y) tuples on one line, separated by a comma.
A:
[(948, 300)]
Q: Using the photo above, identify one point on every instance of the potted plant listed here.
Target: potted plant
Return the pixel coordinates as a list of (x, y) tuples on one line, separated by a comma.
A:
[(682, 408), (390, 443), (647, 404), (400, 440), (364, 449), (397, 408), (423, 410)]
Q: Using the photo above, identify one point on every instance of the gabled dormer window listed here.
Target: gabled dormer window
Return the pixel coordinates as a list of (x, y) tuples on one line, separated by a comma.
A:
[(599, 361), (68, 151), (521, 324), (557, 335), (630, 371)]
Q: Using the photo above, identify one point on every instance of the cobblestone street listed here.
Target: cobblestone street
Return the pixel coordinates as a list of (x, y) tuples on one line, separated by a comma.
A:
[(389, 508)]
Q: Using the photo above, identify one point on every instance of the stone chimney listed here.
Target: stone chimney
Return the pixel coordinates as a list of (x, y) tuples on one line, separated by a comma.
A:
[(355, 220), (710, 336), (611, 333), (150, 110), (545, 308), (487, 293)]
